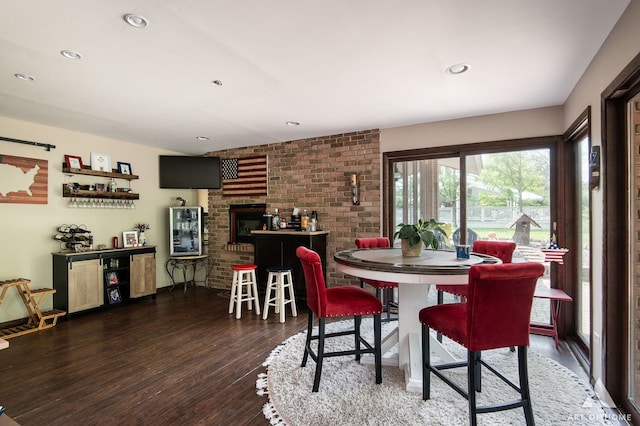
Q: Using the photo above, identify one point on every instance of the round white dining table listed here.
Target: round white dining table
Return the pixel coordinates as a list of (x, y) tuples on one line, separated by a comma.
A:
[(414, 275)]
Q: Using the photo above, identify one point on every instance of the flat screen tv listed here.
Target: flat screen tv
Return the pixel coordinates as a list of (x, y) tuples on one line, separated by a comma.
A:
[(186, 172)]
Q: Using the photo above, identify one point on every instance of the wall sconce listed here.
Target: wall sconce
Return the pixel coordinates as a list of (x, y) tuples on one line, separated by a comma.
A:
[(355, 196)]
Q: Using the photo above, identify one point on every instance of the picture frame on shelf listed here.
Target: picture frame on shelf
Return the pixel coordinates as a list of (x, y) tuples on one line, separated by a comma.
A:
[(114, 295), (124, 168), (73, 162), (112, 278), (130, 238), (101, 186), (101, 162)]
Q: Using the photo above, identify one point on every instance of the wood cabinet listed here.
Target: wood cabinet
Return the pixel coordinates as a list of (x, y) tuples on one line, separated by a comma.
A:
[(99, 279), (85, 285), (278, 248), (142, 275)]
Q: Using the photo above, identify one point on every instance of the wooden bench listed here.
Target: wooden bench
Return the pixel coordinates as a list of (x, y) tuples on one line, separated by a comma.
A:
[(556, 297)]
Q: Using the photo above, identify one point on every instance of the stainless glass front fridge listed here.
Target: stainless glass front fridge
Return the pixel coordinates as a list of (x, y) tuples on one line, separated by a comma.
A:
[(186, 230)]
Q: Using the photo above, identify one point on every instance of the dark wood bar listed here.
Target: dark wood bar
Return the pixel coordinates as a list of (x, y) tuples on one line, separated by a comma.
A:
[(278, 248)]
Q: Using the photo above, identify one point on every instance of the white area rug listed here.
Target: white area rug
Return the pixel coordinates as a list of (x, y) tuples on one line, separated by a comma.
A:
[(348, 394)]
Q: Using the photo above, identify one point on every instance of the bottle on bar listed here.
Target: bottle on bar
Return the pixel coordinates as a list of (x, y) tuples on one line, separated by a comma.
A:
[(275, 221)]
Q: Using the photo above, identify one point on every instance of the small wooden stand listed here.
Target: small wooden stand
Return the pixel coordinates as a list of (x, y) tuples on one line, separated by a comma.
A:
[(32, 299), (556, 297)]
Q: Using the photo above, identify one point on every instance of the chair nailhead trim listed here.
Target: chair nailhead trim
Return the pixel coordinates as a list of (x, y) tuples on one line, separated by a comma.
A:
[(356, 314)]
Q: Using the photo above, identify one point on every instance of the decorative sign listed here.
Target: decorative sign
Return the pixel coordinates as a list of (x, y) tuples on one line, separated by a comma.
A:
[(101, 162), (555, 255), (244, 177), (23, 180)]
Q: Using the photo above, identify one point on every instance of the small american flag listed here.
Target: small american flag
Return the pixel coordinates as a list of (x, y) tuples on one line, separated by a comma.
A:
[(244, 176), (555, 255)]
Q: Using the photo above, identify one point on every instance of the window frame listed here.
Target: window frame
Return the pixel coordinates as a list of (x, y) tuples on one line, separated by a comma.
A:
[(553, 143)]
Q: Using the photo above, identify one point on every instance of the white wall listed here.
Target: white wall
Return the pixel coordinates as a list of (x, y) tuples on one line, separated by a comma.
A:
[(27, 231), (513, 125)]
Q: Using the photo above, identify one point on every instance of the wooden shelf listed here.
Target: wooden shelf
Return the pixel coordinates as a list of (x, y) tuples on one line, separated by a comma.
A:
[(87, 171), (32, 299), (66, 192)]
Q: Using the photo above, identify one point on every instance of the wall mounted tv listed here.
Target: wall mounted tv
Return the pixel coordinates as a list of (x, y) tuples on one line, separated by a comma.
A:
[(186, 172)]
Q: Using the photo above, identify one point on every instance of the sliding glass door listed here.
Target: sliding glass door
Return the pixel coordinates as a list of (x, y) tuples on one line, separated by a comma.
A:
[(583, 255), (499, 191), (494, 191), (425, 189)]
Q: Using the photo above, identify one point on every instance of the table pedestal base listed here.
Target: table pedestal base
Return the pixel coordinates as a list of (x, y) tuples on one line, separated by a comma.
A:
[(412, 298)]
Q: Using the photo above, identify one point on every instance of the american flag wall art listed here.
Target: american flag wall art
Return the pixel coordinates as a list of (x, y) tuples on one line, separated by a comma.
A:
[(23, 180), (242, 177)]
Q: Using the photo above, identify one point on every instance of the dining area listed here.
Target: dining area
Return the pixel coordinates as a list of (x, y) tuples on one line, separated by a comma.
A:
[(493, 316), (415, 277)]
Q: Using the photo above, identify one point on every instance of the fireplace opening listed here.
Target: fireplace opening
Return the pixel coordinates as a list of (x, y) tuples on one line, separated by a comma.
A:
[(243, 218)]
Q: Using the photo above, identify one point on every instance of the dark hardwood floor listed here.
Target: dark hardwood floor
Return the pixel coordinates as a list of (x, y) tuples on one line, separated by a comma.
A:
[(178, 359)]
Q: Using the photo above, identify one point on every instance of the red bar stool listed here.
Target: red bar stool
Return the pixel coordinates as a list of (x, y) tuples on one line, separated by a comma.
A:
[(244, 288), (379, 286), (279, 280), (495, 315), (503, 250), (333, 302)]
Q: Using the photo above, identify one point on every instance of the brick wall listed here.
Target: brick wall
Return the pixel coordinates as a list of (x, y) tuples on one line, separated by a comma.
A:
[(312, 174)]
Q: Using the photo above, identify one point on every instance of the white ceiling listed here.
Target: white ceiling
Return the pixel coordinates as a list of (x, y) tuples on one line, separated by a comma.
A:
[(334, 66)]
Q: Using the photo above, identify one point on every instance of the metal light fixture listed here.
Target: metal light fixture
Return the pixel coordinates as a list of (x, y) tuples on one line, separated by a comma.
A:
[(71, 54), (134, 20), (355, 195), (458, 69)]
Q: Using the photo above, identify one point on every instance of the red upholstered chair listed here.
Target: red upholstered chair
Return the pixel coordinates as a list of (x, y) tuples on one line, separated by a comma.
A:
[(495, 315), (378, 242), (503, 250), (335, 302)]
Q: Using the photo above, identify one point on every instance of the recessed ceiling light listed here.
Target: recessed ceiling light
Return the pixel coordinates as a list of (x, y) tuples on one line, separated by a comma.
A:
[(70, 54), (24, 77), (292, 123), (202, 138), (217, 82), (135, 20), (458, 69)]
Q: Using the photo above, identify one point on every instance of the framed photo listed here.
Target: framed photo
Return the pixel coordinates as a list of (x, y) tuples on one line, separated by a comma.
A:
[(101, 186), (130, 238), (114, 295), (100, 162), (73, 162), (112, 278), (124, 168)]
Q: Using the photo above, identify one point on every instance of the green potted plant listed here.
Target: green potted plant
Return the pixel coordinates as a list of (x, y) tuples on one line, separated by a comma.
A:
[(412, 236)]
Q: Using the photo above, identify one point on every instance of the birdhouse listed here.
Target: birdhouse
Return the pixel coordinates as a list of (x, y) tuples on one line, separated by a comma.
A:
[(522, 233)]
